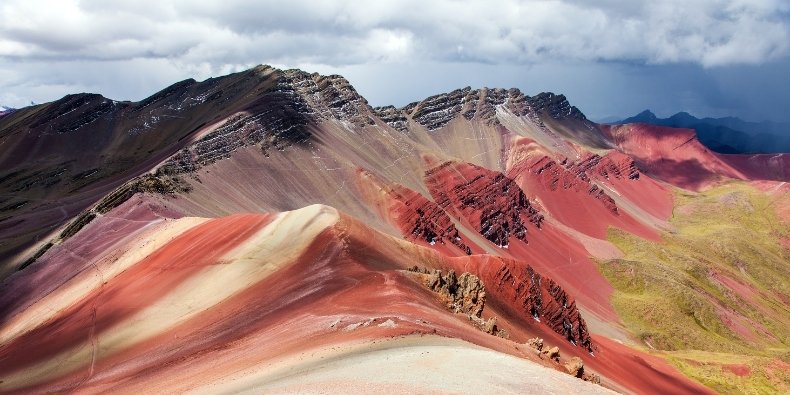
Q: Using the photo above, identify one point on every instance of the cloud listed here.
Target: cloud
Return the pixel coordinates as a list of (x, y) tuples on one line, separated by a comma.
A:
[(127, 49), (708, 32)]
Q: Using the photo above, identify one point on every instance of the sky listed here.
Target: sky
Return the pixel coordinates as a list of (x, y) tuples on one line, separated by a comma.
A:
[(609, 57)]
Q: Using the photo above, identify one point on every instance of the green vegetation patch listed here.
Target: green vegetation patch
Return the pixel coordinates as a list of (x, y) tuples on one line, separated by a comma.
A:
[(714, 284)]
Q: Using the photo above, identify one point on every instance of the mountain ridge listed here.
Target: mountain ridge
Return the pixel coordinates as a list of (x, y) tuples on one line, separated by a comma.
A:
[(728, 135), (229, 184)]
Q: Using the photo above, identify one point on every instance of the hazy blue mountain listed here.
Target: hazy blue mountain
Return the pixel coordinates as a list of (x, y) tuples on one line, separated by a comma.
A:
[(727, 135)]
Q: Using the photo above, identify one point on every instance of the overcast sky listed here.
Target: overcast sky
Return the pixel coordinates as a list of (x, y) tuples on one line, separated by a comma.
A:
[(610, 57)]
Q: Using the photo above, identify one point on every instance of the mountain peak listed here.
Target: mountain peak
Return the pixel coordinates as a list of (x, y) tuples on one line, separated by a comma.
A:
[(647, 114), (725, 135)]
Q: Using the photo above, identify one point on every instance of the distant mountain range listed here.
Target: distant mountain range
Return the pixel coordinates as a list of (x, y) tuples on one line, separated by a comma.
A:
[(728, 135), (6, 110)]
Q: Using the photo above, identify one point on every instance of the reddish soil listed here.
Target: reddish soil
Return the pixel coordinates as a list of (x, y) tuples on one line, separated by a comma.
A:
[(132, 290), (677, 157), (520, 291), (419, 220), (496, 207), (346, 286), (640, 372), (672, 155), (99, 238), (745, 291), (738, 369), (570, 191)]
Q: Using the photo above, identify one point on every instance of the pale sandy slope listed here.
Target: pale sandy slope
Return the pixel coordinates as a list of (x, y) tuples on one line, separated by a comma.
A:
[(412, 364)]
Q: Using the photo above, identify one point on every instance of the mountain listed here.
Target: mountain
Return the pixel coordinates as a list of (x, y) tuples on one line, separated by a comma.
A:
[(270, 231), (5, 110), (727, 135)]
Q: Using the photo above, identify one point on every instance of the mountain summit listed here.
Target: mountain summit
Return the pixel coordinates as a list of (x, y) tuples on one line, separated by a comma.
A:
[(270, 231)]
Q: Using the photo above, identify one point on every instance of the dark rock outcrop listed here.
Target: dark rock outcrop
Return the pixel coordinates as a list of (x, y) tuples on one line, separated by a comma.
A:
[(491, 202), (556, 106), (529, 294), (437, 111), (392, 117), (582, 175), (417, 217)]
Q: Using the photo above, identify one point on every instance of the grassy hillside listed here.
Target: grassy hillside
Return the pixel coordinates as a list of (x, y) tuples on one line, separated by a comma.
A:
[(713, 294)]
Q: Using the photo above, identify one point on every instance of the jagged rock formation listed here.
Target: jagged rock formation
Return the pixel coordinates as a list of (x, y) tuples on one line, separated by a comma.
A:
[(418, 218), (581, 175), (464, 294), (541, 298), (491, 202), (575, 367), (556, 106), (392, 117), (536, 343), (552, 353), (437, 111), (428, 221)]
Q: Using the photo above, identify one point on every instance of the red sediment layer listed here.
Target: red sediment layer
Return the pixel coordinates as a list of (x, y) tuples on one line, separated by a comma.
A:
[(343, 273), (676, 156), (738, 370), (570, 190), (487, 201), (523, 293), (639, 372), (515, 295), (496, 207), (760, 166), (77, 254), (285, 313), (670, 154), (421, 220), (643, 191), (133, 290)]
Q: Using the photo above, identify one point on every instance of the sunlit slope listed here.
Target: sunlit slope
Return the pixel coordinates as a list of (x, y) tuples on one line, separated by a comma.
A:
[(714, 293)]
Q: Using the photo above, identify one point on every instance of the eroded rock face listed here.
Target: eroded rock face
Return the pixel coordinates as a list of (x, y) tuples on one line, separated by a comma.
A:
[(529, 294), (556, 106), (464, 294), (392, 117), (581, 175), (575, 367), (287, 103), (438, 110), (417, 217), (331, 96), (552, 353), (606, 167), (77, 111), (491, 202), (536, 343)]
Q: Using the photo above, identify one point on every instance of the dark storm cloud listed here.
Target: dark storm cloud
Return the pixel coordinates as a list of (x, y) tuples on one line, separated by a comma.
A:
[(707, 32), (128, 49)]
